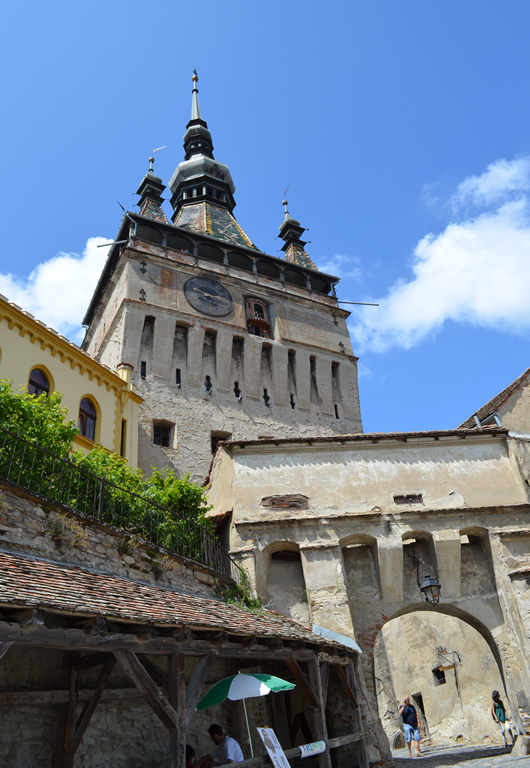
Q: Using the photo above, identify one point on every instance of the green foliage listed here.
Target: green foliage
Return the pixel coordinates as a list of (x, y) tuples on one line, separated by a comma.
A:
[(112, 467), (163, 509), (241, 594), (40, 420)]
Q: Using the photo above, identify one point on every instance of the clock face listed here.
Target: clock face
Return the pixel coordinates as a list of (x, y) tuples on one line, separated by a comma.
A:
[(208, 296)]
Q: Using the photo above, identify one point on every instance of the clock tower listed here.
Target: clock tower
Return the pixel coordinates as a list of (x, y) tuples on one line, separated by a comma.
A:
[(222, 340)]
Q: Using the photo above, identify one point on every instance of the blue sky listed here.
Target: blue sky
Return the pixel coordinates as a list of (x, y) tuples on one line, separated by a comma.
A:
[(402, 128)]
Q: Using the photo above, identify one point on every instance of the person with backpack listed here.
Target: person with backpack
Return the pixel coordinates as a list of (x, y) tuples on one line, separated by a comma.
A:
[(498, 712), (411, 724)]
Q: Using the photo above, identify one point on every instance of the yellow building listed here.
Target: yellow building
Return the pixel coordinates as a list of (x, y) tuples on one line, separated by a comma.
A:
[(99, 400)]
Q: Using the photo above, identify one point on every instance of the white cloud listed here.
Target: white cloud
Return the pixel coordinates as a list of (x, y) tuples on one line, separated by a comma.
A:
[(495, 185), (341, 265), (59, 290), (476, 271)]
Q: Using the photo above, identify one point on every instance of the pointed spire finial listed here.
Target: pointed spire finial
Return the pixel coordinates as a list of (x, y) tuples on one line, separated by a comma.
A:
[(195, 109), (151, 161)]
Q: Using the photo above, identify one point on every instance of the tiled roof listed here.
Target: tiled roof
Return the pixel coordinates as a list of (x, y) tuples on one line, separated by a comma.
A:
[(213, 220), (153, 211), (297, 255), (26, 581), (495, 403), (372, 437)]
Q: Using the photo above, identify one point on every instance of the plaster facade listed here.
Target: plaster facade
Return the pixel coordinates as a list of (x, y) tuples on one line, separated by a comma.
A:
[(208, 378), (355, 507), (27, 344)]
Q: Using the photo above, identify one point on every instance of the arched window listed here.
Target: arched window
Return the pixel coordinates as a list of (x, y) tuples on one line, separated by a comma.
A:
[(38, 382), (87, 419)]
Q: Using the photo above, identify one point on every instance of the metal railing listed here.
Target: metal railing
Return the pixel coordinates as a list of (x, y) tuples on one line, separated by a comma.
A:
[(59, 481)]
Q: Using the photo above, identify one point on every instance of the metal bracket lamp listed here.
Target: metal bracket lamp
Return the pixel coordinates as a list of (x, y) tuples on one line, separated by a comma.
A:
[(430, 589)]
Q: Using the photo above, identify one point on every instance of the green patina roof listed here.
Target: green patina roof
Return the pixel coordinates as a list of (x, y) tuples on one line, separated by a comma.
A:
[(214, 221)]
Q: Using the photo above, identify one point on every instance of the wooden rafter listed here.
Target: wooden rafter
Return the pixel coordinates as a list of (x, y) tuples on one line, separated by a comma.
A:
[(130, 664)]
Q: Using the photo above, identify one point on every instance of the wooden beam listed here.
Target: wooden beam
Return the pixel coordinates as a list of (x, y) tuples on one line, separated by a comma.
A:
[(27, 617), (196, 684), (324, 759), (158, 675), (77, 639), (177, 699), (362, 753), (290, 754), (90, 706), (4, 647), (304, 683), (128, 661), (324, 680), (67, 759), (96, 625), (345, 684)]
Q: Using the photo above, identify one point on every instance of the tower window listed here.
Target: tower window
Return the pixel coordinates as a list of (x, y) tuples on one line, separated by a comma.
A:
[(258, 318), (208, 386), (237, 391), (87, 419), (38, 383), (143, 369), (178, 380), (266, 398), (336, 411), (292, 401)]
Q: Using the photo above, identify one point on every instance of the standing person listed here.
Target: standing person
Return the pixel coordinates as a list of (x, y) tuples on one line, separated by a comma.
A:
[(411, 722), (498, 712), (227, 749)]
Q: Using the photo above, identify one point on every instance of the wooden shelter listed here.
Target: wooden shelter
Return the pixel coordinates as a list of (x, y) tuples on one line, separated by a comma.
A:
[(99, 620)]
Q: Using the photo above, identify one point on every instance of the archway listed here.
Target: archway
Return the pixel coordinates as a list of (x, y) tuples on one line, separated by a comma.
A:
[(281, 581), (448, 662)]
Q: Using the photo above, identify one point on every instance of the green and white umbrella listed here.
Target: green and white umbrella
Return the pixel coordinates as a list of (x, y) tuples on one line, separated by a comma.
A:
[(243, 686)]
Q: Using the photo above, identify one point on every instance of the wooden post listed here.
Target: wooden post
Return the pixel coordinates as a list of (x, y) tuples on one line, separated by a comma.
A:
[(196, 684), (68, 757), (357, 716), (324, 759), (177, 699), (90, 708)]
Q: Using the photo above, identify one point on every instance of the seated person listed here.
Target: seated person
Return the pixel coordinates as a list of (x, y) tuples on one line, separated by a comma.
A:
[(227, 749)]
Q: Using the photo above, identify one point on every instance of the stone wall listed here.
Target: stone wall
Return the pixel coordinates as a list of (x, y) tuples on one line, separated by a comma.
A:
[(457, 698), (44, 532)]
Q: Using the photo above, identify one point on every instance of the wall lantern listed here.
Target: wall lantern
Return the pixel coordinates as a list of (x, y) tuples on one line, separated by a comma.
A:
[(430, 589)]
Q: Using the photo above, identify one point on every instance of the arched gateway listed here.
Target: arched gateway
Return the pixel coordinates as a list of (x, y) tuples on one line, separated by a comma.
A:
[(381, 513)]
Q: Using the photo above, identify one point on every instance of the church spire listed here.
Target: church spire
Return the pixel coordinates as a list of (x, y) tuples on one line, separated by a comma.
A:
[(195, 109), (291, 231), (202, 187), (197, 139)]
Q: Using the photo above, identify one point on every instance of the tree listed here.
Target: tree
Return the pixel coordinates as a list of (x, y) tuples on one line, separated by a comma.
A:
[(41, 420)]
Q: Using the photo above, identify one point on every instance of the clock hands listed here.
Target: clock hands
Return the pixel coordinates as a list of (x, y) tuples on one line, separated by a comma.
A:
[(210, 296)]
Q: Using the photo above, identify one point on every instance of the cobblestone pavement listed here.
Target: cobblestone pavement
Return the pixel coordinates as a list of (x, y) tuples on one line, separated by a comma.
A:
[(464, 757)]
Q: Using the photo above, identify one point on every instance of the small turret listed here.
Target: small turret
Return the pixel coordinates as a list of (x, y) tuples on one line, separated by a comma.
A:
[(291, 231), (150, 191)]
